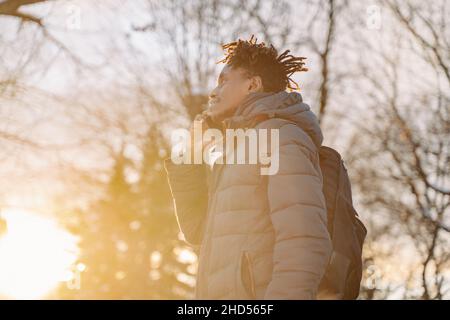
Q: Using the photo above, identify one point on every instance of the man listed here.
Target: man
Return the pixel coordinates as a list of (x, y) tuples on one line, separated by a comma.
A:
[(260, 236)]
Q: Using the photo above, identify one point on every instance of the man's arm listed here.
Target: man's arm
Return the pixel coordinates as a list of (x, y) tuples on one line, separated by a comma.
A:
[(190, 193), (298, 213)]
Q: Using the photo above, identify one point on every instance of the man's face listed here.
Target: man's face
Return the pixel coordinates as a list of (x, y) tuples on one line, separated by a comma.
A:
[(232, 87)]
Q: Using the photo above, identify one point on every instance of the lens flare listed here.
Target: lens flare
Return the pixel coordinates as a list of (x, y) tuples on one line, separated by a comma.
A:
[(36, 255)]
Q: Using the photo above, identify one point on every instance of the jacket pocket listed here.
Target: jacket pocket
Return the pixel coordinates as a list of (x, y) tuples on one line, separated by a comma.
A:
[(246, 276)]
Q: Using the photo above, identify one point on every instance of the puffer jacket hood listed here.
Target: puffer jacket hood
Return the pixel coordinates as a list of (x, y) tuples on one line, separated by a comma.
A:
[(284, 105)]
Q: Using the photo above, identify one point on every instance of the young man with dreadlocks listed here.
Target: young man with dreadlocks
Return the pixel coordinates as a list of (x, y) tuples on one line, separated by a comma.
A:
[(259, 236)]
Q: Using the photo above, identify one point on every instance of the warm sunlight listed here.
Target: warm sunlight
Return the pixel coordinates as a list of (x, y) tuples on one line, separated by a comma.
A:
[(224, 150), (35, 255)]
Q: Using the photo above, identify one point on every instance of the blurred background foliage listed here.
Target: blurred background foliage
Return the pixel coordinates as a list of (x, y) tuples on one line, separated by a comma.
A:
[(90, 91)]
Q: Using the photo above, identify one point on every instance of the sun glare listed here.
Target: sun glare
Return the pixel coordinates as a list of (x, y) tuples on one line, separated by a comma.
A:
[(36, 255)]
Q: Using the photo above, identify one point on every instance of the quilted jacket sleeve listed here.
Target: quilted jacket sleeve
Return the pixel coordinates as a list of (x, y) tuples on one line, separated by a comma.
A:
[(298, 213), (189, 189)]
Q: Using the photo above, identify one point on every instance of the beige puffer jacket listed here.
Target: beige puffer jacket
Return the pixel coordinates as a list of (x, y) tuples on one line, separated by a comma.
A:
[(259, 236)]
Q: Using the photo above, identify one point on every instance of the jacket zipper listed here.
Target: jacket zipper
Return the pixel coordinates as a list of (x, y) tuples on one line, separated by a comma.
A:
[(203, 292)]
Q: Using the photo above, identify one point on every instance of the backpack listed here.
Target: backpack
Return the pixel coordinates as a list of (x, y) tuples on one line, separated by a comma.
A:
[(344, 272), (343, 275)]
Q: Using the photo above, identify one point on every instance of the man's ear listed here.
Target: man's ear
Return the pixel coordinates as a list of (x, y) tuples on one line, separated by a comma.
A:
[(255, 84)]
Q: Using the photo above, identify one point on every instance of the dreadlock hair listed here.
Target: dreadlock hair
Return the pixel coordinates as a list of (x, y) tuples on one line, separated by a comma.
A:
[(260, 60)]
